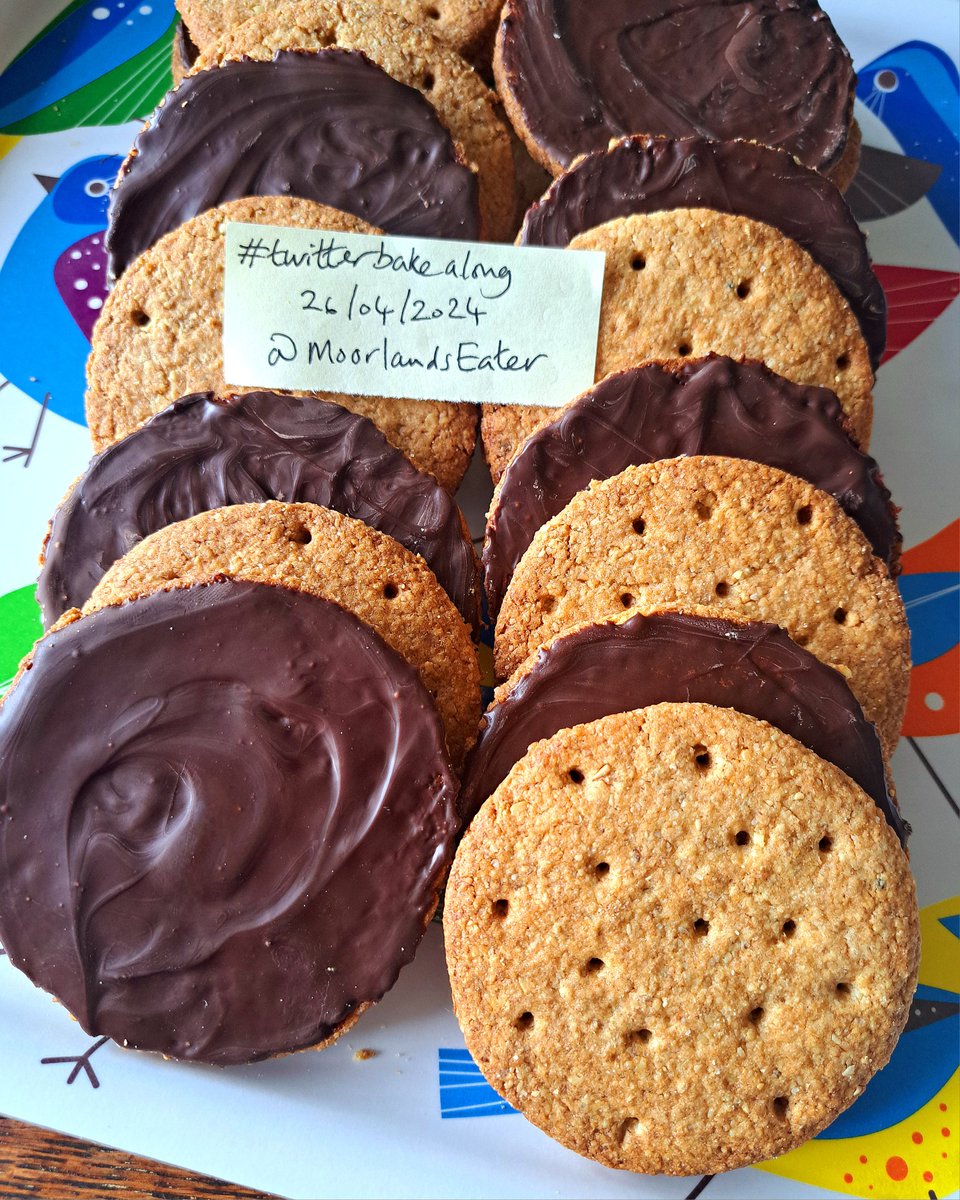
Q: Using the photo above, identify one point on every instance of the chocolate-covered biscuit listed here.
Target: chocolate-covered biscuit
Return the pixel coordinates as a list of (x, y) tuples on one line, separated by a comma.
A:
[(643, 174), (246, 810), (575, 75), (704, 656), (329, 127), (337, 558), (467, 108), (687, 282), (204, 452), (660, 410), (159, 336)]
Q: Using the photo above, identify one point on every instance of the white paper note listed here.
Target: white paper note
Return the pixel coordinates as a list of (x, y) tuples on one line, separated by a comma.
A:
[(314, 310)]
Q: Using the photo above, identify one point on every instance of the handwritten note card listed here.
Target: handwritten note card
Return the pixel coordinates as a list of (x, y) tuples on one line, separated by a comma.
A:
[(313, 310)]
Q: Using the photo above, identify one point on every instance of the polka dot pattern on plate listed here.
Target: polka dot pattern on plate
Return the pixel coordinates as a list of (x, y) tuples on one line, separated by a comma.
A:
[(80, 277)]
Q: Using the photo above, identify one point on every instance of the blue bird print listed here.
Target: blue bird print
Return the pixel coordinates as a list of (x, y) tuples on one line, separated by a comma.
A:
[(52, 284), (914, 91), (463, 1090), (99, 62)]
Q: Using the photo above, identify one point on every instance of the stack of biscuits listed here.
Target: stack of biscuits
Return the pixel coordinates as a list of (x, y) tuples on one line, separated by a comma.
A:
[(680, 923), (681, 929), (260, 678)]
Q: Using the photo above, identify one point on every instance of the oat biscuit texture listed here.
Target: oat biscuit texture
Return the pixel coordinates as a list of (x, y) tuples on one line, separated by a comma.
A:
[(160, 336), (724, 532), (463, 24), (691, 281), (316, 550), (679, 941), (464, 103)]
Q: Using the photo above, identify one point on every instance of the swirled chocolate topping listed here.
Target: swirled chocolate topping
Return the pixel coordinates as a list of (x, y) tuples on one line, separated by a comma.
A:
[(326, 126), (224, 813), (678, 657), (704, 406), (203, 452), (642, 175), (771, 71)]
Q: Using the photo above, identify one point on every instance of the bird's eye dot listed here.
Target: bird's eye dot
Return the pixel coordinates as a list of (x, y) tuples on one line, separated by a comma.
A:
[(96, 187), (887, 80)]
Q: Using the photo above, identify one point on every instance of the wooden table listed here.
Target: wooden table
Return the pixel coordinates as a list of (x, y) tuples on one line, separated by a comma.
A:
[(37, 1163)]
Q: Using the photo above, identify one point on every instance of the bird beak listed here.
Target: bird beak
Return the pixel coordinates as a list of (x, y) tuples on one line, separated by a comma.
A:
[(47, 182)]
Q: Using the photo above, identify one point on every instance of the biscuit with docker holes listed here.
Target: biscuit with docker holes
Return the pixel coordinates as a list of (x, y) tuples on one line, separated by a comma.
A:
[(463, 24), (710, 405), (693, 281), (464, 103), (206, 451), (160, 336), (338, 558), (226, 836), (724, 532), (572, 78), (707, 655), (643, 174), (679, 941)]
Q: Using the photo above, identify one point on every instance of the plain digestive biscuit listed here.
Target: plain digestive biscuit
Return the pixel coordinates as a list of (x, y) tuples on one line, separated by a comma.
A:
[(679, 941), (335, 557), (160, 337)]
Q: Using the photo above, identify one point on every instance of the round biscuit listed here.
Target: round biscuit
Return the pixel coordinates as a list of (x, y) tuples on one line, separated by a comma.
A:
[(160, 336), (724, 532), (313, 549), (464, 103), (678, 941), (558, 82), (691, 281)]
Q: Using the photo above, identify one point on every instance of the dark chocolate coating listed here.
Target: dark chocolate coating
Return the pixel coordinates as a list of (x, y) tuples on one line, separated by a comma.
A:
[(643, 175), (771, 71), (675, 657), (203, 452), (224, 814), (328, 126), (711, 405), (184, 47)]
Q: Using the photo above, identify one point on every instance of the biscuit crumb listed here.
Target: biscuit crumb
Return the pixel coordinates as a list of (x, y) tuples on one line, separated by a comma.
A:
[(365, 1053)]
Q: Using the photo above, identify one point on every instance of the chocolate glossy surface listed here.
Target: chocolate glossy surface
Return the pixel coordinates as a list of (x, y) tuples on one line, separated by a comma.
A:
[(326, 126), (224, 813), (772, 71), (675, 657), (203, 452), (643, 175), (704, 406), (184, 48)]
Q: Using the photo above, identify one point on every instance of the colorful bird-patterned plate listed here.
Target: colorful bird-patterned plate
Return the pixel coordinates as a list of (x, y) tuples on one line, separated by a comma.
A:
[(417, 1118)]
